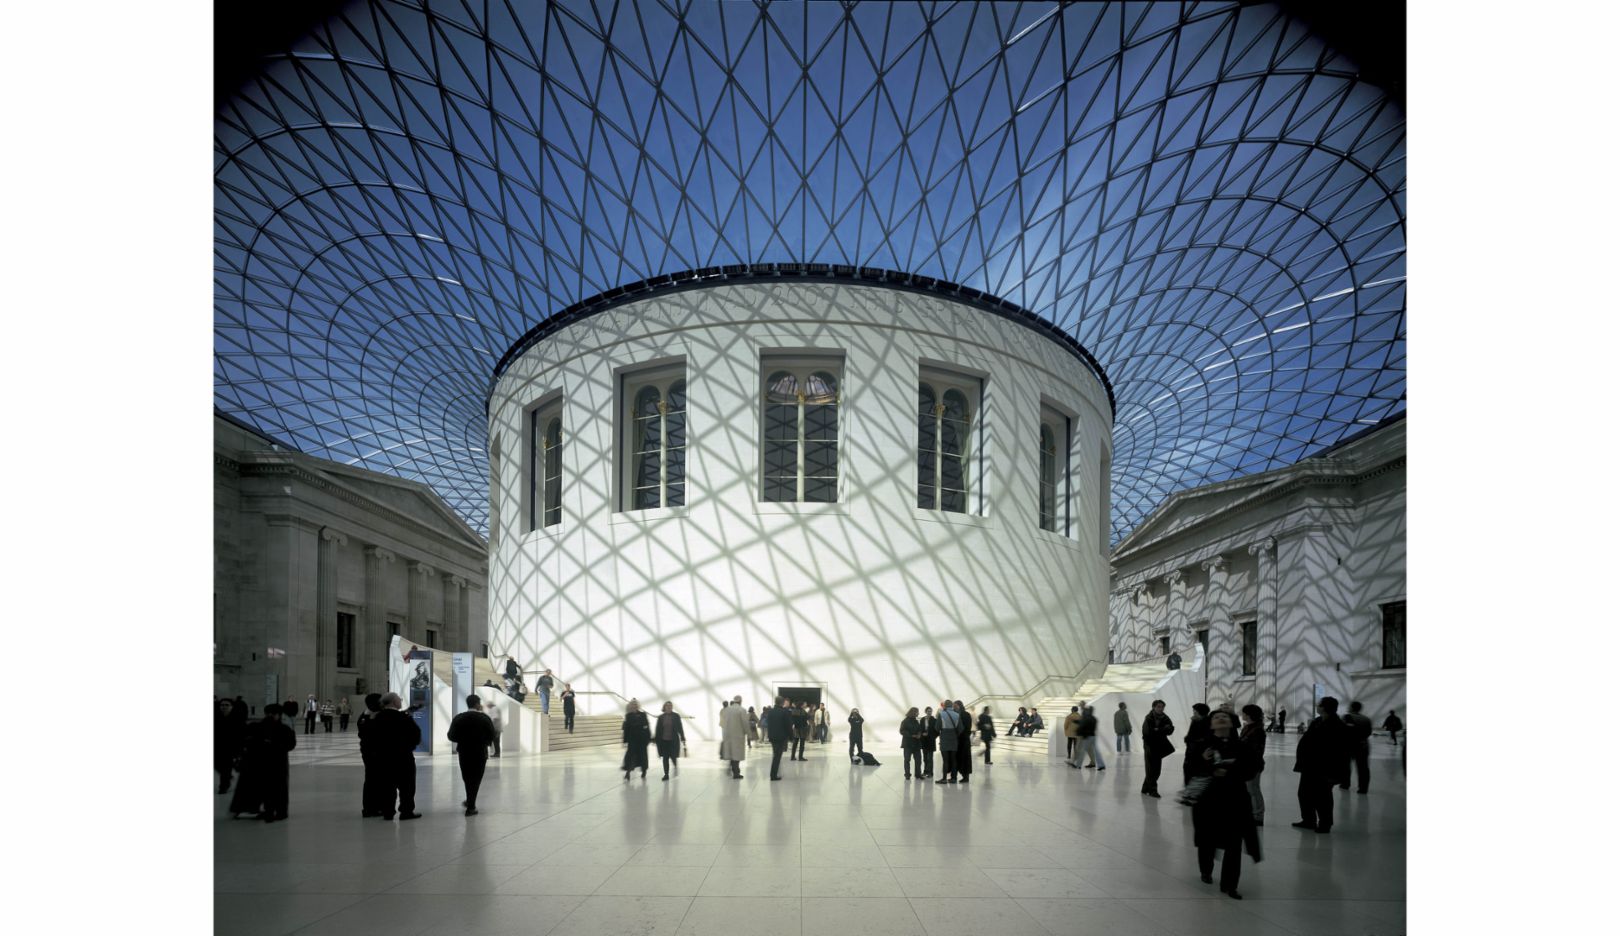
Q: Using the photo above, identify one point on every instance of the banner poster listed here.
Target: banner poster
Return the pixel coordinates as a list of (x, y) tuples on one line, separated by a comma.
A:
[(420, 701), (271, 691), (461, 669)]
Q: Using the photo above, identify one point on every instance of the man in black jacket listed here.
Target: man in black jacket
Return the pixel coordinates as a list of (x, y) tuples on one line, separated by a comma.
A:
[(1361, 729), (801, 730), (779, 728), (1197, 733), (1156, 731), (395, 736), (930, 740), (371, 784), (1322, 761), (472, 732)]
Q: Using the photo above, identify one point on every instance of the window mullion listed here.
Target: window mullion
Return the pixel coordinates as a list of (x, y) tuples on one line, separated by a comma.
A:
[(799, 449), (939, 456), (663, 453)]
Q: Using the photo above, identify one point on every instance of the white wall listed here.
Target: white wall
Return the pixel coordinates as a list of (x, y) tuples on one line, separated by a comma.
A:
[(885, 604)]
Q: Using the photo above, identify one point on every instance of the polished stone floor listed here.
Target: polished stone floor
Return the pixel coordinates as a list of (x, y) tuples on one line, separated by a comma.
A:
[(562, 845)]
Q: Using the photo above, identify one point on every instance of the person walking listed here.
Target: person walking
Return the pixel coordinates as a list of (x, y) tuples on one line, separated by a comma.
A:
[(1322, 761), (637, 733), (1087, 733), (857, 744), (930, 740), (950, 731), (801, 729), (987, 732), (670, 736), (734, 731), (1282, 721), (1254, 736), (512, 674), (779, 729), (396, 735), (262, 788), (328, 712), (343, 713), (1221, 815), (1197, 729), (567, 697), (230, 726), (1071, 733), (312, 710), (472, 733), (964, 742), (1122, 730), (1156, 731), (494, 712), (911, 743), (752, 738), (1393, 725), (371, 773), (1361, 729), (822, 727), (543, 686)]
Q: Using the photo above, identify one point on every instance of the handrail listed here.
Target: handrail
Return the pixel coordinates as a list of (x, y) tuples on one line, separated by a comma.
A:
[(975, 704)]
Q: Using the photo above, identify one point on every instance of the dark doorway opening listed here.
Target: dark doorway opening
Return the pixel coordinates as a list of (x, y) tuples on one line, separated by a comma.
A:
[(797, 694)]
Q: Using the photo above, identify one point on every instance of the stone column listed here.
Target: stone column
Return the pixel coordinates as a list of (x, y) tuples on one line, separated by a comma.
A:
[(455, 626), (1142, 622), (326, 612), (372, 650), (416, 589), (1220, 670), (1181, 635), (1265, 677)]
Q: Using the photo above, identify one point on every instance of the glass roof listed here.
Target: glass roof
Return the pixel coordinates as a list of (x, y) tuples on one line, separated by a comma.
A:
[(1206, 196)]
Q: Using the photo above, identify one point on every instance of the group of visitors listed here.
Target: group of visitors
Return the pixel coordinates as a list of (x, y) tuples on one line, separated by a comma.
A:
[(668, 731), (1080, 729), (951, 733), (512, 674), (1027, 723), (257, 751)]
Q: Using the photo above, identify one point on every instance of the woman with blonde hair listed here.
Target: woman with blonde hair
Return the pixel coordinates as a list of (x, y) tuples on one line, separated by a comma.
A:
[(637, 734)]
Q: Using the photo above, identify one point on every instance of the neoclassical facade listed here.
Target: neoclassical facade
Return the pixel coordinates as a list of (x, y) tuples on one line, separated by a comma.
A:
[(754, 483), (1294, 579), (317, 564)]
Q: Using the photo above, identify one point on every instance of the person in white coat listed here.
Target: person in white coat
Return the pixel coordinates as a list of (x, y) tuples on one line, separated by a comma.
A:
[(494, 712), (734, 735)]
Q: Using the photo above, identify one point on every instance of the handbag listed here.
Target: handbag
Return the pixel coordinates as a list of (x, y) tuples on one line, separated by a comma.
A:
[(1193, 791)]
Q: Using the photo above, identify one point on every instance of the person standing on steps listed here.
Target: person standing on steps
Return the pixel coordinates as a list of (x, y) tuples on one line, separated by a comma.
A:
[(543, 686), (670, 737), (1197, 729), (949, 731), (964, 742), (472, 733), (637, 732), (911, 744), (779, 729), (1322, 761), (494, 713), (734, 730), (396, 735), (1122, 730), (1156, 731), (857, 745), (930, 740), (1361, 729), (987, 732), (343, 713), (312, 710), (568, 707)]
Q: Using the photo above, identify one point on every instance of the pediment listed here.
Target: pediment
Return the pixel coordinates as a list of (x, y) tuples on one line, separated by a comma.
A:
[(1186, 508)]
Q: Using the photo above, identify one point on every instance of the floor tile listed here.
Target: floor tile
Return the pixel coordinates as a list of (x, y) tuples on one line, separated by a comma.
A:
[(543, 879), (946, 882), (850, 882), (532, 916), (654, 881), (1041, 882), (751, 882), (859, 916), (959, 916), (741, 916), (274, 914), (1066, 917), (624, 916)]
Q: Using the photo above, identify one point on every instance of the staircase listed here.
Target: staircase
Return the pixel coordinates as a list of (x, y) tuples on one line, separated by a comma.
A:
[(1122, 678), (589, 731)]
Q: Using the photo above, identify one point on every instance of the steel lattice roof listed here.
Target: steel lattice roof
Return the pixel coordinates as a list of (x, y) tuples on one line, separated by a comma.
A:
[(1206, 196)]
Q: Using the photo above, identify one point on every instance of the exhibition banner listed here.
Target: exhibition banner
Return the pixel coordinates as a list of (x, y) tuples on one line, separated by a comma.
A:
[(461, 678), (420, 699)]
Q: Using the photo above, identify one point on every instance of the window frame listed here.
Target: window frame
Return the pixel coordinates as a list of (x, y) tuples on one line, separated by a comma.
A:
[(1249, 646), (1062, 426), (1384, 609), (662, 377), (344, 651), (539, 512), (943, 381), (802, 366)]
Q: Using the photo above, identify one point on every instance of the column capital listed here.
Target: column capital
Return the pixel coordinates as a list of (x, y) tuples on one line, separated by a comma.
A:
[(1214, 564), (1174, 577), (421, 568), (456, 580), (1267, 545), (333, 536), (1141, 591), (378, 552)]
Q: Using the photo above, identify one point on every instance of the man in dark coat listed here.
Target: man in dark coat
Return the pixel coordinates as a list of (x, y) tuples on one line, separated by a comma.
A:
[(1361, 729), (371, 782), (472, 733), (395, 736), (930, 740), (779, 728), (262, 788), (1393, 725), (1322, 761), (1156, 731), (1173, 661), (1197, 731), (230, 725), (801, 730), (568, 707)]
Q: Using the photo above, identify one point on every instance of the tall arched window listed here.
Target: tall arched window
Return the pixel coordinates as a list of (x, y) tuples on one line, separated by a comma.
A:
[(545, 466), (656, 439), (800, 446), (946, 410), (1054, 471)]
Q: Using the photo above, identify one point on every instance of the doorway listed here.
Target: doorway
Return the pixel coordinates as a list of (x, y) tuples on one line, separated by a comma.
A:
[(797, 694)]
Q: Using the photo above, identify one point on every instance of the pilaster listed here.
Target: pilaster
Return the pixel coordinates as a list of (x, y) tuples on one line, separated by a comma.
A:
[(421, 575), (1265, 678), (326, 611), (372, 648)]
